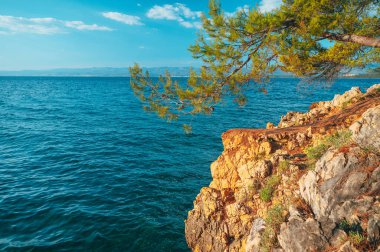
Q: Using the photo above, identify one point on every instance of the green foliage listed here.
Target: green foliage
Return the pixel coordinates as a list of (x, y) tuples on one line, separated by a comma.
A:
[(345, 104), (273, 221), (356, 238), (368, 149), (275, 216), (240, 50), (354, 231), (270, 186), (350, 227), (283, 166), (344, 225), (336, 140), (266, 194), (339, 139), (315, 152)]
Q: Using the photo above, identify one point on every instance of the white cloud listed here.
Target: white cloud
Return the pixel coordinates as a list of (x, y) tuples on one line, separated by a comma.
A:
[(269, 5), (43, 20), (187, 24), (10, 24), (43, 26), (176, 12), (79, 25), (123, 18)]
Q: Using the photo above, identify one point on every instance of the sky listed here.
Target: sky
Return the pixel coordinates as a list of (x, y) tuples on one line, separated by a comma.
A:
[(49, 34)]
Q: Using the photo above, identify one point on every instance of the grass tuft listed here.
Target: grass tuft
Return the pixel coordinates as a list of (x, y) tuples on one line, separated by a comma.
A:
[(354, 231), (267, 191), (273, 221), (356, 238), (283, 166), (337, 140)]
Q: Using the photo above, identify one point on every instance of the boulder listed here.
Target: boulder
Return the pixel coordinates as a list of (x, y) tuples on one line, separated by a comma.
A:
[(301, 235), (339, 100), (366, 131), (254, 237)]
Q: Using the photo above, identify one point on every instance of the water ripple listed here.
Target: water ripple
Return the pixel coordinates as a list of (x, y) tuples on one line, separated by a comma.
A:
[(82, 167)]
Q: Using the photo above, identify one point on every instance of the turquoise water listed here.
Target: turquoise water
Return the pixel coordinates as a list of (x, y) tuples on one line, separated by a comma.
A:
[(83, 168)]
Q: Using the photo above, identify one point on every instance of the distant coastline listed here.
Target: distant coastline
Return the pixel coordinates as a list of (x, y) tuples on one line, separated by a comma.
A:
[(179, 72)]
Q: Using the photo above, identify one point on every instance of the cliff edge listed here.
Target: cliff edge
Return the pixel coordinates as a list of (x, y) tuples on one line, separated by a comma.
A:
[(312, 183)]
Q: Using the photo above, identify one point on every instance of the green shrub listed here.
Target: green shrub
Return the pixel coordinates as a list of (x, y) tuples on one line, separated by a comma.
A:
[(273, 221), (317, 151), (369, 149), (270, 186), (336, 140), (339, 139), (344, 225), (355, 237), (345, 104), (266, 194), (354, 231), (275, 216), (283, 166)]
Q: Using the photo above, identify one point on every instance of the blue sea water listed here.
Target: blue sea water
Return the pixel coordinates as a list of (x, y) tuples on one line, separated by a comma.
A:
[(84, 168)]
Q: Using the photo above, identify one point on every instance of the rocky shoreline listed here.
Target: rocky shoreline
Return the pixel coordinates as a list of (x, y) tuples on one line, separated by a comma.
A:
[(312, 183)]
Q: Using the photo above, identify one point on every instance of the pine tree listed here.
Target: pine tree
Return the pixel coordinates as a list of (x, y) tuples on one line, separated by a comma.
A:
[(312, 39)]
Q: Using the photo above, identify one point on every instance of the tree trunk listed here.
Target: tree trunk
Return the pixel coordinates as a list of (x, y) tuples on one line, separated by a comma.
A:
[(362, 40)]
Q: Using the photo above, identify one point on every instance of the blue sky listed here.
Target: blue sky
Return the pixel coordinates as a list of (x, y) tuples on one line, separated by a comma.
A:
[(46, 34)]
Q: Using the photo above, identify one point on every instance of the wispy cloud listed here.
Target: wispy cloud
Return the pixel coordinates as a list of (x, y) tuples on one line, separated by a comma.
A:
[(269, 5), (176, 12), (123, 18), (79, 25), (43, 26)]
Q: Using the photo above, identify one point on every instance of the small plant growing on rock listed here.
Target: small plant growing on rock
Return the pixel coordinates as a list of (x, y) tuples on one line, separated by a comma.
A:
[(266, 194), (356, 238), (336, 140), (315, 152), (269, 187), (283, 166), (273, 221), (339, 139), (369, 149), (346, 104), (354, 231)]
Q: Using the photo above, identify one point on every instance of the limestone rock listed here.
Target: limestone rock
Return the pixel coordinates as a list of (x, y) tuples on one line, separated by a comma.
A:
[(373, 229), (332, 190), (254, 237), (338, 238), (299, 235), (339, 100), (373, 88), (347, 247), (366, 131)]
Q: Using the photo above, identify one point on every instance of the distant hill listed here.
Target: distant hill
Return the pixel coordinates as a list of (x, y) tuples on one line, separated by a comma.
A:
[(109, 72), (154, 72), (98, 72)]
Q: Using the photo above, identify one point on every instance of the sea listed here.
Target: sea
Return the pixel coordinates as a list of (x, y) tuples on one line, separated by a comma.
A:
[(84, 168)]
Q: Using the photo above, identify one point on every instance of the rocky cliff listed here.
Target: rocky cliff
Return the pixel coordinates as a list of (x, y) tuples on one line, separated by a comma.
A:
[(312, 183)]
